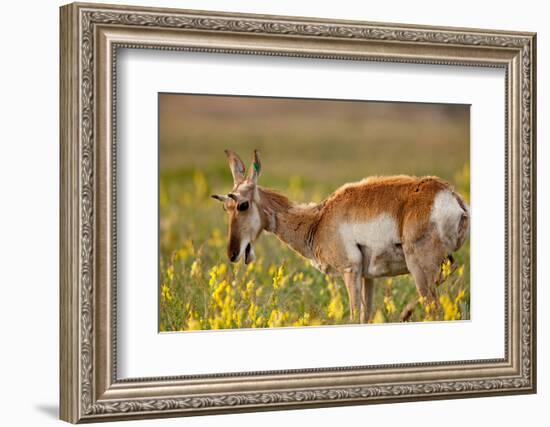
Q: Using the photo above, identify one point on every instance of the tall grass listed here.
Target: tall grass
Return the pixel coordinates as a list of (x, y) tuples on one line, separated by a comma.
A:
[(200, 289)]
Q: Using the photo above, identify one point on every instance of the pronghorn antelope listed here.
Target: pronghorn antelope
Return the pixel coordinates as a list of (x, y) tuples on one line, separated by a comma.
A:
[(380, 226)]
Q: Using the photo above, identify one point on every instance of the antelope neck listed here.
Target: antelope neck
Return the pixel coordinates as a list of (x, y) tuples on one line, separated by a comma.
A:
[(292, 223)]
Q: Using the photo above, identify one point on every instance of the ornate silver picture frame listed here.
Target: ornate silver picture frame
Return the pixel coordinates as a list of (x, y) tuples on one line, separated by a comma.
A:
[(91, 34)]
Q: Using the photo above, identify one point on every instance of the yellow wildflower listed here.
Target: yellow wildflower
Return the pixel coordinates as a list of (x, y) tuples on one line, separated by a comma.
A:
[(249, 292), (218, 293), (277, 318), (302, 321), (250, 268), (336, 309), (196, 270), (165, 293), (451, 310), (186, 250), (193, 324), (216, 272), (429, 309), (445, 270), (260, 322), (460, 296), (252, 313), (238, 318), (378, 317), (298, 277), (278, 278), (170, 272), (389, 305)]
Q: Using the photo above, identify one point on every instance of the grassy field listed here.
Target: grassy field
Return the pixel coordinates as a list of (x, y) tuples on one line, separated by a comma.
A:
[(308, 150)]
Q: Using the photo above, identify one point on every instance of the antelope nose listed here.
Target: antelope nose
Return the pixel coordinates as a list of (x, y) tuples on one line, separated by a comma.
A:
[(233, 257)]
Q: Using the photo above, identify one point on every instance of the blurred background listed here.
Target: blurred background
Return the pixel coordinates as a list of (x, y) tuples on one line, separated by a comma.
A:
[(309, 148)]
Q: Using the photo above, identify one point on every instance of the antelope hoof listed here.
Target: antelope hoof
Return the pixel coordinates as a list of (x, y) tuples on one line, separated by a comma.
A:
[(408, 311)]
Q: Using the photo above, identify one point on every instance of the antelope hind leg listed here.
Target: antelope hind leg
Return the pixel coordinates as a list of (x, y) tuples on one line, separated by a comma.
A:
[(421, 286), (409, 308), (424, 258)]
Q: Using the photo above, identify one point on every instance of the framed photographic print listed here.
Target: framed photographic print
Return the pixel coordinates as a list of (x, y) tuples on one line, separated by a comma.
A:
[(264, 212)]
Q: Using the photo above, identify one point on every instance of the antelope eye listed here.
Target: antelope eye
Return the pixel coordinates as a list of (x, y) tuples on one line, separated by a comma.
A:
[(242, 206)]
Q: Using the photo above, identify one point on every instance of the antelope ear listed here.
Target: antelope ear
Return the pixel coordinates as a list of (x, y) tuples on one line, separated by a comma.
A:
[(236, 165), (221, 198), (255, 168)]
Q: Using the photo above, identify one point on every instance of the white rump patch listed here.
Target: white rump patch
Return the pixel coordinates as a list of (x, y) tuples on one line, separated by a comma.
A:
[(446, 215)]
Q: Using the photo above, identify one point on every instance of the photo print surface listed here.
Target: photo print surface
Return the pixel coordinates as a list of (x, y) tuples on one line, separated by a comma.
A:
[(284, 212)]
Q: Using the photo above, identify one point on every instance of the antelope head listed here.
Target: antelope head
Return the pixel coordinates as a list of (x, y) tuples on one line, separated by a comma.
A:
[(246, 218)]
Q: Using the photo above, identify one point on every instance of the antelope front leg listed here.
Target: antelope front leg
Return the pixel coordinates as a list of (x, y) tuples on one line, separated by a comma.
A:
[(353, 280), (367, 295)]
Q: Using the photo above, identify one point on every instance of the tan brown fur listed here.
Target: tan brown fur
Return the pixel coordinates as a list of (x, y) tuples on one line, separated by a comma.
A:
[(409, 199), (290, 222)]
